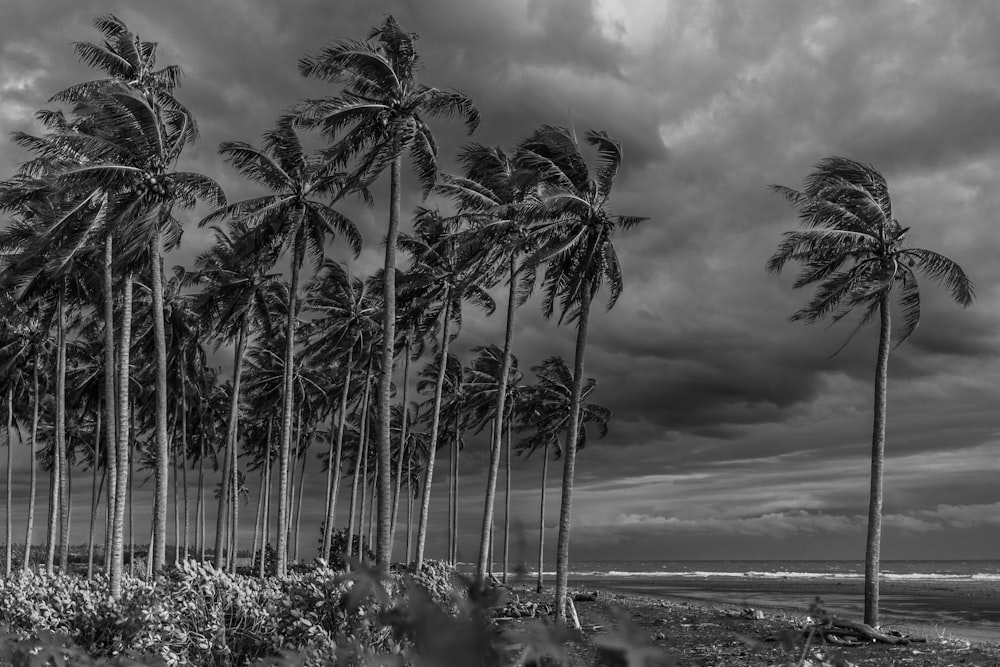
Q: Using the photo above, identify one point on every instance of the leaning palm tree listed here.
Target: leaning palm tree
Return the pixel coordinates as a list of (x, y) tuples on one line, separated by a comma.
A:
[(376, 118), (573, 209), (545, 413), (235, 293), (294, 216), (856, 253), (492, 192), (446, 271)]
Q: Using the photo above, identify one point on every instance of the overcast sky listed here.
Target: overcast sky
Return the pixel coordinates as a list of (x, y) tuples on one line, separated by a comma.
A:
[(735, 434)]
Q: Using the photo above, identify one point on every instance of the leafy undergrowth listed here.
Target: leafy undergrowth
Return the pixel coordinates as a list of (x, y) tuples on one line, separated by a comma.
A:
[(193, 615)]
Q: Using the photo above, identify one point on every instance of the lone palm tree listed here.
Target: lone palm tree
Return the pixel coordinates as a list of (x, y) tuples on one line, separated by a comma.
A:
[(572, 206), (376, 118), (856, 253), (293, 217)]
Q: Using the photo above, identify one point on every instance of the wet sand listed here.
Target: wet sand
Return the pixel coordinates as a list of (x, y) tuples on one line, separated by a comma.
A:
[(961, 609)]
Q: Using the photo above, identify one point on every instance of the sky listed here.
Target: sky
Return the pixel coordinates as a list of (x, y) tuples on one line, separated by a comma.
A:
[(736, 434)]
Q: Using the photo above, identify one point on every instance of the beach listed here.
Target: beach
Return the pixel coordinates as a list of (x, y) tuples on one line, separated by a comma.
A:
[(966, 609)]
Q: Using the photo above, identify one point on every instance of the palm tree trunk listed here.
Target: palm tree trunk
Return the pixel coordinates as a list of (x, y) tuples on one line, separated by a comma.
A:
[(362, 541), (177, 511), (110, 405), (425, 501), (184, 449), (159, 547), (33, 480), (226, 493), (402, 443), (569, 459), (61, 497), (265, 528), (298, 503), (541, 521), (199, 509), (334, 458), (383, 551), (409, 503), (94, 493), (257, 518), (506, 506), (362, 436), (494, 470), (118, 524), (281, 566), (10, 477), (451, 500), (874, 541), (296, 456)]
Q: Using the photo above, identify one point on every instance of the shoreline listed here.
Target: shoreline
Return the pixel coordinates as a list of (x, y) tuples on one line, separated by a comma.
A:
[(968, 610)]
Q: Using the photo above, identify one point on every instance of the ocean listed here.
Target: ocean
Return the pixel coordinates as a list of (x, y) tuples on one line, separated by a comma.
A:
[(903, 570)]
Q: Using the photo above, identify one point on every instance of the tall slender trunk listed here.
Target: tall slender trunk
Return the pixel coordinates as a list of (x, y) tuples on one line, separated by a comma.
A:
[(334, 452), (57, 521), (33, 480), (226, 492), (362, 437), (10, 477), (495, 439), (94, 493), (118, 524), (131, 500), (298, 503), (184, 449), (425, 501), (159, 547), (452, 509), (296, 456), (371, 508), (383, 551), (569, 458), (874, 540), (362, 540), (506, 504), (541, 521), (61, 497), (199, 510), (177, 510), (402, 441), (110, 405), (281, 566), (409, 504), (266, 528), (334, 458), (257, 517)]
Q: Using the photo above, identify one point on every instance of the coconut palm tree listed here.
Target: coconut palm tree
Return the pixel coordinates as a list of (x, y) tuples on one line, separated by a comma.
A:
[(376, 118), (545, 414), (446, 270), (572, 206), (492, 191), (235, 293), (293, 217), (859, 256), (348, 310)]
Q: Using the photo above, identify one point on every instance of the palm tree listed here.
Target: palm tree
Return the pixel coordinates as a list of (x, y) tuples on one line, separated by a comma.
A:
[(348, 323), (572, 205), (235, 292), (295, 218), (446, 272), (493, 191), (380, 114), (855, 252), (546, 409)]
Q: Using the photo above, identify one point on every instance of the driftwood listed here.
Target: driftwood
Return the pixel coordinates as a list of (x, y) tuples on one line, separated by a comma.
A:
[(844, 632), (585, 597)]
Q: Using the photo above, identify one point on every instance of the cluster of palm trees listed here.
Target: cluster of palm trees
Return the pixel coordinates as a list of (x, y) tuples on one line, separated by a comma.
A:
[(107, 359)]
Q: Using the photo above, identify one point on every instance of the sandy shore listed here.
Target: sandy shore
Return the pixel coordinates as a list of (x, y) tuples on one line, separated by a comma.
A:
[(963, 609)]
